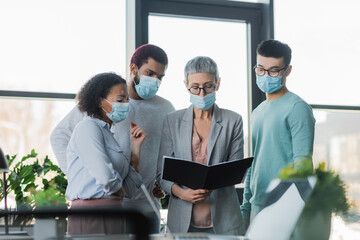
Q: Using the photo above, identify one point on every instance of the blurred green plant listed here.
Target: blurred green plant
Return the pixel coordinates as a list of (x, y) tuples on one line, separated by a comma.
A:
[(329, 194), (35, 183), (48, 198), (165, 202)]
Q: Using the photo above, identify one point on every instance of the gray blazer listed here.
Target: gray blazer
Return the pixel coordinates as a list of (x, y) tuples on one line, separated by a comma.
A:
[(225, 143)]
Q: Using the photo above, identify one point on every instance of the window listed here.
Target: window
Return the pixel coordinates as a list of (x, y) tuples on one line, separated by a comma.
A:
[(339, 145), (325, 48), (201, 37), (325, 55), (226, 31), (27, 124), (49, 48)]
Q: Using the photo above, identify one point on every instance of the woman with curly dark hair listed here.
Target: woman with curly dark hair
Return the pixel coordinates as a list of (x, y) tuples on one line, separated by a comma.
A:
[(99, 174)]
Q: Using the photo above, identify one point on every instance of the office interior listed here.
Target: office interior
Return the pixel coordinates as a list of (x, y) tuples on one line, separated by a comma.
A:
[(48, 49)]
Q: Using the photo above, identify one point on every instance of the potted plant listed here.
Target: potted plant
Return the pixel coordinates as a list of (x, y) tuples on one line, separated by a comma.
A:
[(35, 184), (328, 197), (50, 198)]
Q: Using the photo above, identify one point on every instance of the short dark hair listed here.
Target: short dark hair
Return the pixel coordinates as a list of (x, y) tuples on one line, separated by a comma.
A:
[(275, 49), (94, 90), (146, 51)]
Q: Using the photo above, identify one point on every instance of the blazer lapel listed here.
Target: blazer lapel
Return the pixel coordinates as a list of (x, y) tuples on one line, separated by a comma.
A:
[(214, 133), (186, 133)]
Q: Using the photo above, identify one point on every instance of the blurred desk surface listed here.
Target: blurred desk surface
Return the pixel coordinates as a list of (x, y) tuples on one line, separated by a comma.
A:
[(126, 236)]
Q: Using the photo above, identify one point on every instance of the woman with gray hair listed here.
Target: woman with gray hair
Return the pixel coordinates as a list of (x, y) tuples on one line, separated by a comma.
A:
[(206, 134)]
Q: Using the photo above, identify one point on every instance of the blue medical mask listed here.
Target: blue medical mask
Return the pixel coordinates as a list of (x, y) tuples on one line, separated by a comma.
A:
[(268, 84), (203, 103), (119, 111), (147, 87)]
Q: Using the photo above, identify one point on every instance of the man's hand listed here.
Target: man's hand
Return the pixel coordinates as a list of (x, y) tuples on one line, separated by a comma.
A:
[(157, 191)]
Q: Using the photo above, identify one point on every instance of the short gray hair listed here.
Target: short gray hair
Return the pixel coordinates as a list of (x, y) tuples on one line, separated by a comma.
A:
[(201, 64)]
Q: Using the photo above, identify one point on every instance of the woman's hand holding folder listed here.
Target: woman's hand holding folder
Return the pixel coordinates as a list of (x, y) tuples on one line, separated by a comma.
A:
[(190, 195)]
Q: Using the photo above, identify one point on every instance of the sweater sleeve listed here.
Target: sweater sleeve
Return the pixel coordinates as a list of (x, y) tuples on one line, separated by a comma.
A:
[(132, 182), (302, 127), (166, 149), (246, 206), (60, 136)]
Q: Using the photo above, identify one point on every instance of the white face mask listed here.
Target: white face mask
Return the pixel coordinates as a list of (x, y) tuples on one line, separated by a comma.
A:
[(119, 111), (147, 86), (268, 84), (203, 103)]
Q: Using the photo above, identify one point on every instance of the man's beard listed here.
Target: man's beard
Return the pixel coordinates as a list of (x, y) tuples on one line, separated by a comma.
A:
[(135, 79)]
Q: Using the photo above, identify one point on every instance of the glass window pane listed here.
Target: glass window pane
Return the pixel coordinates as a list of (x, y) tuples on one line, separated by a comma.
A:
[(325, 48), (54, 46), (27, 124), (223, 41), (337, 142)]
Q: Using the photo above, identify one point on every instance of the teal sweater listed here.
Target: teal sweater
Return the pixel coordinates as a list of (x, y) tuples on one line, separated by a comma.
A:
[(282, 131)]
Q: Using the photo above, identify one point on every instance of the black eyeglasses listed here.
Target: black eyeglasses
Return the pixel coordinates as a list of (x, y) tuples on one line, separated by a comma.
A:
[(273, 72), (207, 89)]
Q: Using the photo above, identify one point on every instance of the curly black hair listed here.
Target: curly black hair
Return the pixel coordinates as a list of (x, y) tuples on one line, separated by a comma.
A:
[(97, 88)]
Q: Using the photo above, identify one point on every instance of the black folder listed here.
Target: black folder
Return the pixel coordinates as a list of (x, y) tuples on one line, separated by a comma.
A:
[(199, 176)]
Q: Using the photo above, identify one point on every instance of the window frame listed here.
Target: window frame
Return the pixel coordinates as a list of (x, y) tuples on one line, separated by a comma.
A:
[(316, 106), (20, 94), (31, 94), (257, 16)]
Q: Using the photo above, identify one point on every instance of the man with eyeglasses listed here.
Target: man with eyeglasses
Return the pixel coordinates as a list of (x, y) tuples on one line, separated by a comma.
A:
[(148, 110), (282, 126)]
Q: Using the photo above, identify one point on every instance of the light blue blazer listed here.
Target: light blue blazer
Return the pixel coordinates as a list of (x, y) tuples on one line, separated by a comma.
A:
[(225, 143)]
